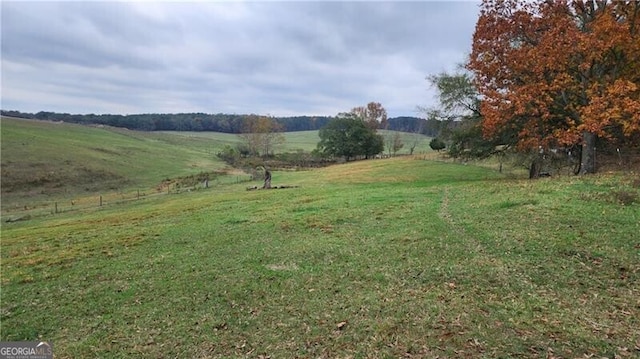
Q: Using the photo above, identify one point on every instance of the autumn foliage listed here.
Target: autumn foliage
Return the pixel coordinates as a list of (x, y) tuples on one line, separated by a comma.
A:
[(374, 115), (261, 134), (555, 72)]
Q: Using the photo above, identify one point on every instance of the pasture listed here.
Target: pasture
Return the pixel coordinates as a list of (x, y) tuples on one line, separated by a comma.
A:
[(383, 258), (307, 140), (400, 257), (44, 162), (47, 163)]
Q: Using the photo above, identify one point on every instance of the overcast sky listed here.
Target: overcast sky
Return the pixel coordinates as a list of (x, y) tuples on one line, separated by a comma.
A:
[(272, 58)]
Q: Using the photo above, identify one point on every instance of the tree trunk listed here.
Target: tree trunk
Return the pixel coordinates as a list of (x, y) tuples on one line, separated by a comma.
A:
[(534, 170), (588, 157), (267, 179)]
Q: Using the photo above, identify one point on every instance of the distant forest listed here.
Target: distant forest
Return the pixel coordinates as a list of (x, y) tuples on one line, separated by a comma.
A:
[(226, 123)]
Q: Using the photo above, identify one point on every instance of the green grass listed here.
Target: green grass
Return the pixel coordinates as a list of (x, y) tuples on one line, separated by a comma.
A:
[(294, 141), (307, 141), (46, 161), (409, 139), (380, 258), (49, 167)]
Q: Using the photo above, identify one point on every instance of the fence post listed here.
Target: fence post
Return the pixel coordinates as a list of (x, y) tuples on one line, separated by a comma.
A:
[(100, 200), (56, 208), (619, 157)]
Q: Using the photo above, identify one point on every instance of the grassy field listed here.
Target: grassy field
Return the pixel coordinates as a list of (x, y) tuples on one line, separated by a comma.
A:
[(307, 140), (294, 141), (49, 166), (47, 161), (382, 258)]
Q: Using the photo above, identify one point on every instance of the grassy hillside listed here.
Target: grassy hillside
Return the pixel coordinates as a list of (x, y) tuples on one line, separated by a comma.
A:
[(381, 258), (44, 162), (308, 140), (47, 160), (302, 140)]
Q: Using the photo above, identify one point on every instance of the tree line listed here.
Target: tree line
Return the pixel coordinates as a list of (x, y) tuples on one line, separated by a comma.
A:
[(220, 122), (226, 123)]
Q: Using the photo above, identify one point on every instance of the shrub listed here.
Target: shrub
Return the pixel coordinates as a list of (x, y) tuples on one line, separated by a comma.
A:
[(437, 144)]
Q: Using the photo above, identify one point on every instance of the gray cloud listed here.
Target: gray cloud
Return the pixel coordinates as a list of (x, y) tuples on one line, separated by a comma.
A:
[(278, 58)]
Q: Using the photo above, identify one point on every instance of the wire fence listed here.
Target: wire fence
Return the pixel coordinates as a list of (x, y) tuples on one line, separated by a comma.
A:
[(554, 163), (611, 161), (93, 202)]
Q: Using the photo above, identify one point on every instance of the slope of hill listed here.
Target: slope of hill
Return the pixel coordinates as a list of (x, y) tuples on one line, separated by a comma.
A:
[(44, 160), (308, 140), (374, 259)]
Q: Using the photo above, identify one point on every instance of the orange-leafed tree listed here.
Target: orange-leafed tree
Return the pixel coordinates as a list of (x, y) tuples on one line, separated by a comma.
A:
[(374, 115), (558, 73)]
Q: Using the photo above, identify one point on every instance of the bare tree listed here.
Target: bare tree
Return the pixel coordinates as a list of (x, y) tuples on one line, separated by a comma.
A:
[(394, 142), (415, 139), (261, 134)]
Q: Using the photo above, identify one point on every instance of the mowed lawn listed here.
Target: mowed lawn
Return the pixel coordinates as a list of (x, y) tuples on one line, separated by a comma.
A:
[(372, 259)]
